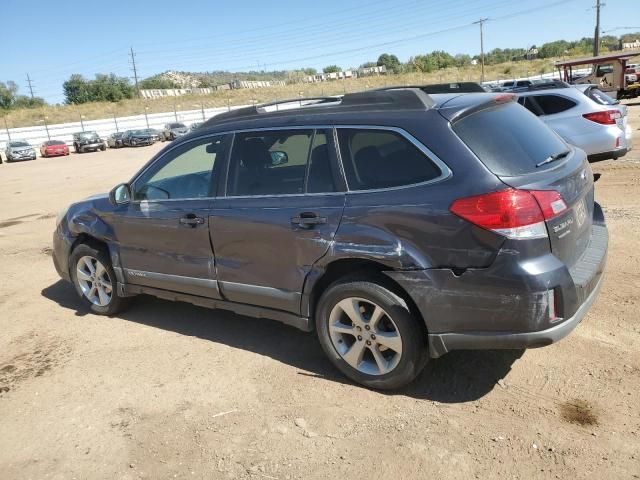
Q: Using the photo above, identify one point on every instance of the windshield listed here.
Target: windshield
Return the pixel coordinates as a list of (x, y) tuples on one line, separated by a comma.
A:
[(87, 134), (599, 96), (19, 144), (177, 125), (55, 142), (509, 139)]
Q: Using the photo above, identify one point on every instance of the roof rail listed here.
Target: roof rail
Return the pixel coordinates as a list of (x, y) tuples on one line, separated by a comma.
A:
[(449, 87), (292, 103), (409, 98)]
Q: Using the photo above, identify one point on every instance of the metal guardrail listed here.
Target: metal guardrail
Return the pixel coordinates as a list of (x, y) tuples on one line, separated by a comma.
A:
[(35, 135)]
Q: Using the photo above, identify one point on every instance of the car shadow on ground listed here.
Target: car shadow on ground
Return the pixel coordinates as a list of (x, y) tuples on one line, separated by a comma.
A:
[(455, 378)]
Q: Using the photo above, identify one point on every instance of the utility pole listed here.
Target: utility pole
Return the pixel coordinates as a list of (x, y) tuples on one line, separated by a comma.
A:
[(481, 23), (596, 36), (135, 71), (30, 83)]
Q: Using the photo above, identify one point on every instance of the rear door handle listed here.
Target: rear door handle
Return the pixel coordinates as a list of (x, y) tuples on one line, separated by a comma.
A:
[(191, 220), (308, 220)]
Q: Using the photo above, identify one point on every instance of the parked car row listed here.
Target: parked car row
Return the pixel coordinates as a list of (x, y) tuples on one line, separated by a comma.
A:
[(90, 141)]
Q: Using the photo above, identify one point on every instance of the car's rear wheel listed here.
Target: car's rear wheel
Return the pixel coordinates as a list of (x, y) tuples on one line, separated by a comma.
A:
[(95, 280), (369, 333)]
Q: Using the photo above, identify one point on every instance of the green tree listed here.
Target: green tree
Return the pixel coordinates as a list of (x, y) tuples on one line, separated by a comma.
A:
[(391, 63), (8, 93), (105, 88), (76, 89), (9, 98), (462, 60), (23, 101), (331, 69), (161, 83)]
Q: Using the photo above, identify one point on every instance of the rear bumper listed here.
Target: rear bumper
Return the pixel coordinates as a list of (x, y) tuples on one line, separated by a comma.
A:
[(441, 343), (613, 155), (507, 305)]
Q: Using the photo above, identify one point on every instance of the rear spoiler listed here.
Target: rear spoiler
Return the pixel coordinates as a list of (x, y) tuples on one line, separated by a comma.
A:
[(462, 106)]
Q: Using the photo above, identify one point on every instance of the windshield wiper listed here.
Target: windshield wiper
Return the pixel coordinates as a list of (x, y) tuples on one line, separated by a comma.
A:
[(553, 158)]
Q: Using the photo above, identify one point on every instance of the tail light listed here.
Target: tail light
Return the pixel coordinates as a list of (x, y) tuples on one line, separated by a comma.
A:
[(518, 214), (608, 117)]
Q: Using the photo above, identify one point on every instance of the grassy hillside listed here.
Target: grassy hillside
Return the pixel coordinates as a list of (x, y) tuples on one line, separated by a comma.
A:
[(91, 111)]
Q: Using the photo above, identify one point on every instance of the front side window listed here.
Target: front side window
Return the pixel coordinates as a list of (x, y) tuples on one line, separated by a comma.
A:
[(281, 162), (376, 159), (186, 172)]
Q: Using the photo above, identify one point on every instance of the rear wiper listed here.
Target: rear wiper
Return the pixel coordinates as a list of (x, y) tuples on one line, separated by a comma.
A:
[(553, 158)]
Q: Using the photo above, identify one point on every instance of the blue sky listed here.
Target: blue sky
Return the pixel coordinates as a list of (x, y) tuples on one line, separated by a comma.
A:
[(50, 40)]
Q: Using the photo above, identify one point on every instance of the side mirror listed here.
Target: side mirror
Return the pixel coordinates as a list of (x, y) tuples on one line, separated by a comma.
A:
[(120, 194), (279, 158)]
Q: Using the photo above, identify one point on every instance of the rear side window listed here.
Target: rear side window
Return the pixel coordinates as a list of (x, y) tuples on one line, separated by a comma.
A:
[(529, 105), (376, 159), (550, 104), (280, 162), (508, 139)]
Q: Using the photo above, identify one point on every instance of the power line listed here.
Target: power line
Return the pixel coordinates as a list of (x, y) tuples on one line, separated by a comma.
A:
[(353, 35)]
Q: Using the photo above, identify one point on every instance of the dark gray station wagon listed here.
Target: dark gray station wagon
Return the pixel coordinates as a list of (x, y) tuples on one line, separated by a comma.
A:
[(398, 225)]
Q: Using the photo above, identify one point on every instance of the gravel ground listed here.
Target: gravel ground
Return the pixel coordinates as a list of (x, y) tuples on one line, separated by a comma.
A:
[(170, 390)]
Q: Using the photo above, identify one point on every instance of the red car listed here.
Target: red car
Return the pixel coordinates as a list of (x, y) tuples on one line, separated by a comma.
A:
[(54, 148)]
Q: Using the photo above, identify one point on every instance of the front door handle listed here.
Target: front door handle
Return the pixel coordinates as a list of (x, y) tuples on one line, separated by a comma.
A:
[(308, 220), (191, 220)]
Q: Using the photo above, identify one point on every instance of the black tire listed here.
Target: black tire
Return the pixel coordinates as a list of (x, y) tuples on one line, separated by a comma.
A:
[(414, 354), (76, 149), (103, 148), (116, 303)]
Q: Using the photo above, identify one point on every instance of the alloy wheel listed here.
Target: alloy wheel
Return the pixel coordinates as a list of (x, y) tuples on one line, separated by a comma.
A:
[(365, 336), (94, 281)]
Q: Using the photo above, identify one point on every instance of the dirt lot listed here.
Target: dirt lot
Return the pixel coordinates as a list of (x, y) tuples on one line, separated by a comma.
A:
[(169, 390)]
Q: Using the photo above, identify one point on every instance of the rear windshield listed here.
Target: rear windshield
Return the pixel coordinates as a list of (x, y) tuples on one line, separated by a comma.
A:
[(509, 139), (601, 97)]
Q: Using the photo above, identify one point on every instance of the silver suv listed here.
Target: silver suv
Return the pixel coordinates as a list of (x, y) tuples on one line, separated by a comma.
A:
[(600, 130), (19, 150)]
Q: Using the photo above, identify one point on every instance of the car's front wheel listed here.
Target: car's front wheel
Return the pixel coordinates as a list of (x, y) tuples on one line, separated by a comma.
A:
[(369, 333), (95, 280)]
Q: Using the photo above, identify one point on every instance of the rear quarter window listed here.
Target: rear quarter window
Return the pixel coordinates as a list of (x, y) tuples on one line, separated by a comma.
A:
[(508, 139), (376, 158), (552, 104)]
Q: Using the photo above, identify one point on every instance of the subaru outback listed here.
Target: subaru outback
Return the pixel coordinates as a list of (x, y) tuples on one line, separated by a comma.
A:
[(396, 224)]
